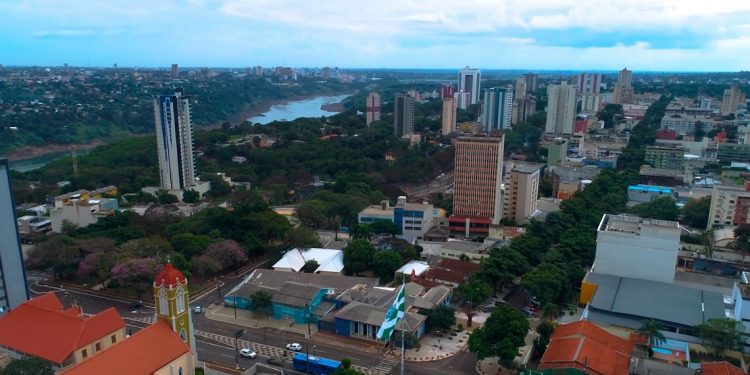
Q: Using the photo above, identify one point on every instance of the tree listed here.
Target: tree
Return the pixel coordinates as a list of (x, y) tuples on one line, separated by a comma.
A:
[(544, 329), (165, 198), (360, 232), (664, 208), (347, 371), (312, 213), (346, 362), (500, 336), (544, 284), (358, 256), (302, 237), (695, 212), (699, 132), (189, 244), (384, 226), (310, 266), (191, 196), (474, 291), (651, 329), (502, 266), (226, 253), (385, 263), (722, 334), (609, 114), (441, 317), (138, 273), (28, 366), (261, 301)]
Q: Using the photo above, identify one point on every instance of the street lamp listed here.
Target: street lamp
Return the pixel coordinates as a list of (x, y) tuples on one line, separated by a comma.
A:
[(438, 335), (237, 335)]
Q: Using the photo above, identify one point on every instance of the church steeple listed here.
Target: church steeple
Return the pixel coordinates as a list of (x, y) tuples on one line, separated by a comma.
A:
[(172, 301)]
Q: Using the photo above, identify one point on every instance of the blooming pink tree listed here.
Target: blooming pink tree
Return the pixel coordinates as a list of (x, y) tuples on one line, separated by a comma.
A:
[(226, 253), (136, 272)]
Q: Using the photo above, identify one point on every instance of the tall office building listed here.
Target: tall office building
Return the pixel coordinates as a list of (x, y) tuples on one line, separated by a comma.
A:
[(519, 91), (625, 77), (469, 80), (449, 115), (588, 83), (496, 109), (13, 287), (175, 71), (463, 99), (532, 82), (372, 108), (477, 178), (522, 109), (733, 96), (174, 141), (623, 91), (403, 115), (447, 91), (561, 109), (521, 191)]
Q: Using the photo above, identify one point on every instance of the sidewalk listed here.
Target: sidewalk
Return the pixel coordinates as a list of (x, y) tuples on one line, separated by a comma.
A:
[(433, 348), (252, 320)]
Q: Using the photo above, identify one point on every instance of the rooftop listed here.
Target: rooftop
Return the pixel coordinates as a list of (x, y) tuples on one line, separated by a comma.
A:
[(145, 352), (632, 224), (41, 327), (272, 280), (526, 167), (329, 260), (651, 189), (585, 345), (721, 368), (295, 294), (416, 267)]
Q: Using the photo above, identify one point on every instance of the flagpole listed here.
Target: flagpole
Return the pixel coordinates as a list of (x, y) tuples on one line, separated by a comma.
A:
[(403, 326)]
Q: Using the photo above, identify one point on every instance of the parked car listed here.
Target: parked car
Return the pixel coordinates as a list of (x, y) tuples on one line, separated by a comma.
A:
[(294, 347), (197, 310), (274, 361), (245, 352), (500, 302)]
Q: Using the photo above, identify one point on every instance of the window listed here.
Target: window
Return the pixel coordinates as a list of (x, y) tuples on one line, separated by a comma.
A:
[(180, 300), (163, 304), (113, 338), (98, 346), (84, 353), (183, 335)]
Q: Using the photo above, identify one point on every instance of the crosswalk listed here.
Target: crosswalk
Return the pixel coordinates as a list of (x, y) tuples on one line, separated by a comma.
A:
[(386, 364)]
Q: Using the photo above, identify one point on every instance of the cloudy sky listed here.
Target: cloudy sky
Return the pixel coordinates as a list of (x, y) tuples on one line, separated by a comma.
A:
[(673, 35)]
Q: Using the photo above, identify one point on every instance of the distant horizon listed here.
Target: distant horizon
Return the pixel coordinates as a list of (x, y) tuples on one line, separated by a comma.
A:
[(574, 35)]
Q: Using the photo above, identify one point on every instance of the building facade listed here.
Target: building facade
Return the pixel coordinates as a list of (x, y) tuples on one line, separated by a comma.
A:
[(172, 304), (469, 81), (174, 141), (730, 206), (591, 103), (372, 108), (732, 98), (588, 83), (532, 82), (496, 109), (521, 192), (561, 109), (665, 156), (477, 198), (449, 115), (13, 287), (403, 115)]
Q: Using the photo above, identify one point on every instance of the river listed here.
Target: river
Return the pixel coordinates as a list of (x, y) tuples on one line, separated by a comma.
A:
[(25, 165), (298, 108)]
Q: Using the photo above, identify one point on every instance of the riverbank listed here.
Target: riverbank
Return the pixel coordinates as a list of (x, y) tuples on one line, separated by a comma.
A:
[(30, 152)]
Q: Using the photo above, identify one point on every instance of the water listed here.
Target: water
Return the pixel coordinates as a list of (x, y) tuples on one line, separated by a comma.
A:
[(30, 164), (296, 109)]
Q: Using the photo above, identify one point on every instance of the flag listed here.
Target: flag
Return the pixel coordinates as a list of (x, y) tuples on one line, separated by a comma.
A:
[(395, 312)]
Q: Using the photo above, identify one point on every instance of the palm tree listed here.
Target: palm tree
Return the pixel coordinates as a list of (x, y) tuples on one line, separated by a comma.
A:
[(652, 329)]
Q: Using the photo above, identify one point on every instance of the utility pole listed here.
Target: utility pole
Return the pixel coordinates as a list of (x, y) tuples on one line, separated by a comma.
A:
[(237, 336)]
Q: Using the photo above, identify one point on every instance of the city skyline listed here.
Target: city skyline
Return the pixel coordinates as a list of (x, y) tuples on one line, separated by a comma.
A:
[(670, 36)]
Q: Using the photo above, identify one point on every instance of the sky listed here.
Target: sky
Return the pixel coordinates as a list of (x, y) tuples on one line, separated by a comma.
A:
[(643, 35)]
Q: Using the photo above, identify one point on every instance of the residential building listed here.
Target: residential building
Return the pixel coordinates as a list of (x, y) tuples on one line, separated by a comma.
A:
[(330, 261), (155, 349), (372, 108), (557, 152), (519, 90), (625, 77), (623, 91), (728, 152), (469, 251), (665, 156), (591, 103), (449, 115), (522, 109), (403, 115), (588, 83), (521, 191), (43, 328), (239, 159), (585, 346), (685, 124), (13, 287), (663, 177), (730, 205), (175, 71), (532, 82), (477, 198), (469, 81), (638, 248), (463, 99), (447, 91), (83, 207), (172, 304), (174, 141), (33, 224), (450, 272), (566, 181), (732, 98), (496, 109), (561, 109), (647, 193)]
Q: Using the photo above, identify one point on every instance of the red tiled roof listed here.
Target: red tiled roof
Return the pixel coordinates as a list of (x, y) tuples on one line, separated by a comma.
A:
[(458, 265), (585, 345), (721, 368), (169, 276), (41, 328), (437, 274), (141, 354)]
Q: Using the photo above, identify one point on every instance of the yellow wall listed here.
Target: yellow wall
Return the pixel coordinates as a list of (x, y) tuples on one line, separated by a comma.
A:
[(172, 368), (105, 342), (587, 292)]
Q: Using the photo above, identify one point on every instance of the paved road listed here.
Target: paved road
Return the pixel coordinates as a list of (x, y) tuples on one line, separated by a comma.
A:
[(215, 340)]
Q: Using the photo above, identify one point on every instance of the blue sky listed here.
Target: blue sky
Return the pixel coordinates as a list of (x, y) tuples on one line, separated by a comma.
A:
[(673, 35)]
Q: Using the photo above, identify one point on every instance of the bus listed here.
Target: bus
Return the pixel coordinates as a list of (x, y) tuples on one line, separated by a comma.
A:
[(315, 365)]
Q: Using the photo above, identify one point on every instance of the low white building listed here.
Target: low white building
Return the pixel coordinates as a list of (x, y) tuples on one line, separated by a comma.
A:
[(330, 261), (415, 267)]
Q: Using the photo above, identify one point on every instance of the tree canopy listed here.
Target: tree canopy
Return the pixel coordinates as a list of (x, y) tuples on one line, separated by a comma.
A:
[(501, 335)]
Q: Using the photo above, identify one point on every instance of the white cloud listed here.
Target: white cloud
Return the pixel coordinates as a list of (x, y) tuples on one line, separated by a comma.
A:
[(65, 33)]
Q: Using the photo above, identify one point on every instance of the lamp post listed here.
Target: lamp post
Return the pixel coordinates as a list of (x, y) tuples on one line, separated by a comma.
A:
[(438, 336), (237, 336)]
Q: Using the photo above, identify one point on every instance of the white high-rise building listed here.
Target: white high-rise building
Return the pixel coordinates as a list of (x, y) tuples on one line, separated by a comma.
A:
[(174, 141), (589, 83), (403, 115), (519, 91), (469, 81), (561, 109), (496, 109), (625, 78), (372, 108), (591, 103), (463, 99)]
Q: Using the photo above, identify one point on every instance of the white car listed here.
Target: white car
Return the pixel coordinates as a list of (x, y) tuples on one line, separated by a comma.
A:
[(294, 347), (245, 352), (197, 310)]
